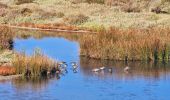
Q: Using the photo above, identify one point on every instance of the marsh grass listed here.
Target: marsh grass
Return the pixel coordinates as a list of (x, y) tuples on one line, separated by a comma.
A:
[(35, 65), (128, 44)]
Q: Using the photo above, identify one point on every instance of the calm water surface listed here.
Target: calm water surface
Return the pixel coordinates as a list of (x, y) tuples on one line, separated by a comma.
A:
[(146, 81)]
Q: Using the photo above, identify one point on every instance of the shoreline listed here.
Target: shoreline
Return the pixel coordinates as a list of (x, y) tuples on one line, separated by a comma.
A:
[(2, 78), (44, 27)]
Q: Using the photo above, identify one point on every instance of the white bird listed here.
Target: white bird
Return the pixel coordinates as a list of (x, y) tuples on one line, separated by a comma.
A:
[(74, 65), (127, 68), (65, 66), (95, 70), (110, 70), (48, 73), (102, 68)]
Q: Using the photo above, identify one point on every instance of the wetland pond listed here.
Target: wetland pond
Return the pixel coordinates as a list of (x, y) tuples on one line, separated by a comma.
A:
[(146, 81)]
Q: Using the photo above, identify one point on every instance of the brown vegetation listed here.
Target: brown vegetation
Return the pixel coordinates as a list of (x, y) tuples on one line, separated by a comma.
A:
[(158, 10), (128, 44), (6, 38), (36, 65), (76, 19), (7, 70)]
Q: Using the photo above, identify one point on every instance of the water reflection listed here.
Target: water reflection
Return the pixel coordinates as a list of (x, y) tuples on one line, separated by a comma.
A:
[(149, 70), (34, 83)]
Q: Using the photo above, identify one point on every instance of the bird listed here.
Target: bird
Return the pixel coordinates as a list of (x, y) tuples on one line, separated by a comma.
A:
[(110, 70), (102, 68), (126, 69), (48, 73), (95, 70), (57, 71), (65, 65), (62, 63), (74, 65)]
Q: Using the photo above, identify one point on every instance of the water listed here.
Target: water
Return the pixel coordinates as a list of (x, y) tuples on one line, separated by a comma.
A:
[(146, 81)]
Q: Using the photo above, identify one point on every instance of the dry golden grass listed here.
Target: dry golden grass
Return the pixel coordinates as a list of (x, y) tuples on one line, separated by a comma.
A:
[(129, 44), (36, 65), (56, 11)]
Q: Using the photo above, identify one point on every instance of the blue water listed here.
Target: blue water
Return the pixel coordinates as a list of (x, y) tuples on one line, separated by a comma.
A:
[(141, 84)]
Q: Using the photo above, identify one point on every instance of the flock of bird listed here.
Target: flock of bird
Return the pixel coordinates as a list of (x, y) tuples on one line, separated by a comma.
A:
[(110, 70), (63, 68)]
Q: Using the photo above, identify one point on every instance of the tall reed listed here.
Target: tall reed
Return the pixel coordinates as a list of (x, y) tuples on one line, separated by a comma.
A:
[(35, 65), (127, 44)]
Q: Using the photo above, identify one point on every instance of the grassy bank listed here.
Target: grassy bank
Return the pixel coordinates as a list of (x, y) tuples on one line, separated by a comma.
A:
[(129, 44)]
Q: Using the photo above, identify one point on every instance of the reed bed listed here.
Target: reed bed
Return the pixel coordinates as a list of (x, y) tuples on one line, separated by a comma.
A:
[(128, 44), (36, 65)]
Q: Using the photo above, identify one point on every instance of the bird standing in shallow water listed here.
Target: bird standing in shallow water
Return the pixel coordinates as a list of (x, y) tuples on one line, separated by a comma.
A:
[(95, 70), (74, 65), (102, 68), (126, 69), (110, 70)]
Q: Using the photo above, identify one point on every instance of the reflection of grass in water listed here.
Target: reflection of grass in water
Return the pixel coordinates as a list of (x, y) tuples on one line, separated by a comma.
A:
[(137, 68), (42, 34), (35, 83)]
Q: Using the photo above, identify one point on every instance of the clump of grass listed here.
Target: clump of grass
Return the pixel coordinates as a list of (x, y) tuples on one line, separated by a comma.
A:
[(36, 65), (76, 19), (60, 14), (131, 7), (128, 44), (6, 38)]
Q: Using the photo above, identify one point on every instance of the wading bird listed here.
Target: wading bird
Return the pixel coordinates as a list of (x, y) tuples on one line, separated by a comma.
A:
[(110, 70), (102, 68), (95, 70), (126, 69)]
